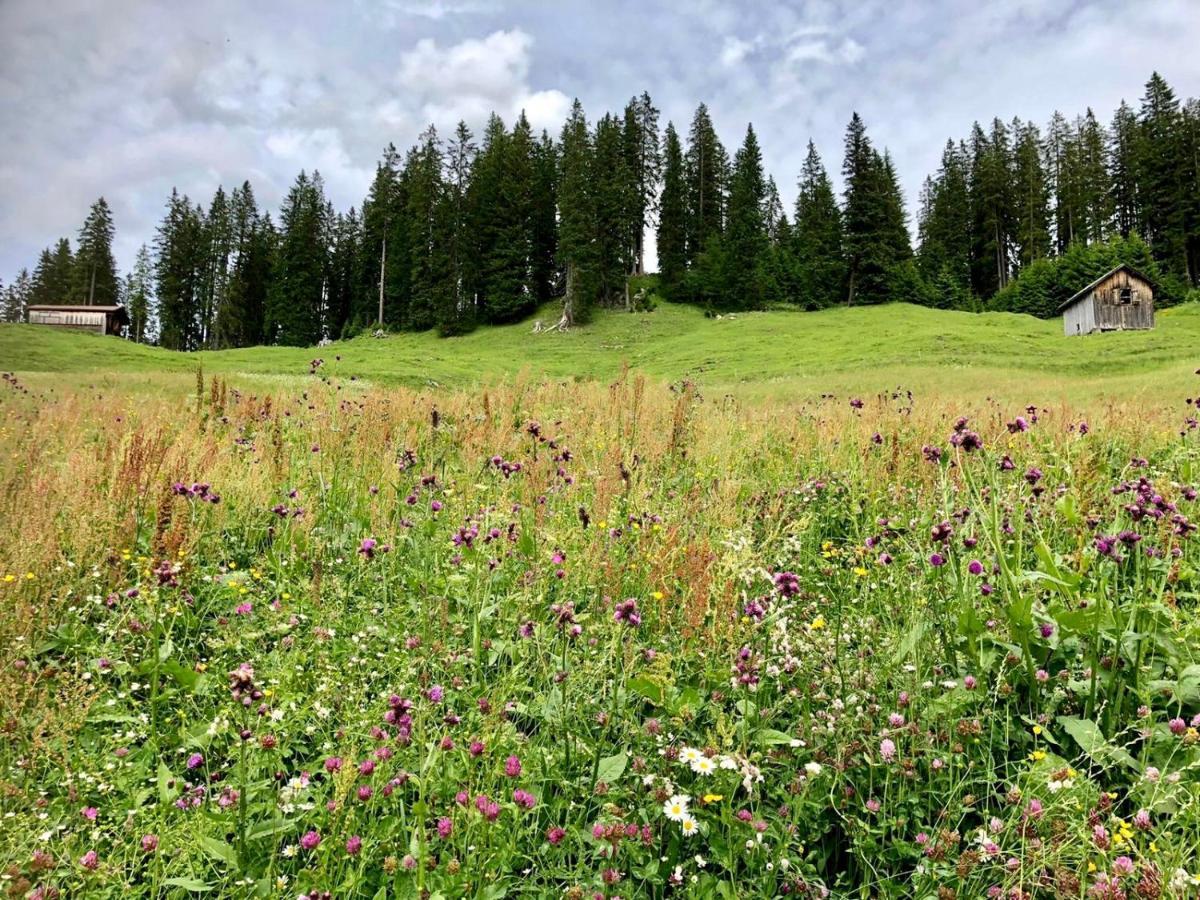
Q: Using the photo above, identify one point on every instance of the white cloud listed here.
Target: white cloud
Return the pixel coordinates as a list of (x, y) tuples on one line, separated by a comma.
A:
[(734, 51)]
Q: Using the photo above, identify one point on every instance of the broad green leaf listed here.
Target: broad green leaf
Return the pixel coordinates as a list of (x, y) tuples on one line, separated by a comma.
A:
[(195, 885), (612, 767), (166, 784), (1091, 739), (220, 850), (651, 690)]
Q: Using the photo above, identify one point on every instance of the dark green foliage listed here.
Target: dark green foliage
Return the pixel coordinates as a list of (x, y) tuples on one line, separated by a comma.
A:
[(427, 214), (382, 275), (577, 218), (16, 297), (706, 167), (672, 219), (1047, 283), (52, 277), (295, 302), (615, 203), (94, 280), (643, 164), (875, 236), (818, 260), (179, 274), (138, 297)]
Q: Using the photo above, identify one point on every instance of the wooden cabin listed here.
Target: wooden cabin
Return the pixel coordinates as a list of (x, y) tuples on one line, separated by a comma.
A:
[(1119, 300), (100, 319)]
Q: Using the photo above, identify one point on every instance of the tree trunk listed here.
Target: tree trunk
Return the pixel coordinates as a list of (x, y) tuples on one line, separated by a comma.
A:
[(568, 309), (382, 271)]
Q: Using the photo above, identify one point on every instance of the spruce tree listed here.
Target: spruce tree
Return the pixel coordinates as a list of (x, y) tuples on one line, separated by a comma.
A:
[(1161, 176), (644, 164), (576, 219), (52, 276), (382, 272), (1031, 196), (1123, 145), (706, 165), (139, 297), (672, 219), (944, 229), (615, 200), (295, 304), (179, 266), (817, 238), (95, 281), (457, 314), (544, 223), (427, 217), (16, 297), (743, 269), (218, 240)]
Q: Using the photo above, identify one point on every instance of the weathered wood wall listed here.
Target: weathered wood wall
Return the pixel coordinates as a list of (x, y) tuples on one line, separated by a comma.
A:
[(1102, 310)]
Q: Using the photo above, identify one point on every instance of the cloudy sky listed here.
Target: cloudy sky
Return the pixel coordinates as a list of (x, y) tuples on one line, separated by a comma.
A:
[(126, 99)]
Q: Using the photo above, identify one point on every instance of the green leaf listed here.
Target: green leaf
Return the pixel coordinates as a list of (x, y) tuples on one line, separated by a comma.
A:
[(1091, 739), (651, 690), (773, 738), (166, 783), (220, 850), (195, 885), (612, 767), (165, 649), (267, 829)]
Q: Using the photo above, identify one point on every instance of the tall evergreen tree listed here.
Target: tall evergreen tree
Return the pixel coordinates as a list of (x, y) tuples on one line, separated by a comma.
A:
[(95, 279), (427, 216), (1030, 195), (544, 223), (1162, 176), (992, 205), (742, 264), (296, 301), (457, 315), (944, 229), (576, 218), (16, 297), (706, 165), (644, 164), (179, 271), (875, 235), (52, 276), (614, 202), (672, 219), (139, 297), (218, 239), (1123, 145), (382, 290), (817, 237)]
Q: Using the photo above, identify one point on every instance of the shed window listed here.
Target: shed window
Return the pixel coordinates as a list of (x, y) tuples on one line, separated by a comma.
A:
[(1126, 296)]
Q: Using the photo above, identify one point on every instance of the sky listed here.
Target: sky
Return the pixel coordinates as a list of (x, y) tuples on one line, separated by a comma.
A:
[(128, 99)]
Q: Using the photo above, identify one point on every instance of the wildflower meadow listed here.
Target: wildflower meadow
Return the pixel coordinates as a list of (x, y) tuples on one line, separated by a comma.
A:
[(313, 639)]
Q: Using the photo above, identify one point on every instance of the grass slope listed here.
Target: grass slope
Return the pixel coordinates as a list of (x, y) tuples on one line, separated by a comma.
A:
[(766, 354)]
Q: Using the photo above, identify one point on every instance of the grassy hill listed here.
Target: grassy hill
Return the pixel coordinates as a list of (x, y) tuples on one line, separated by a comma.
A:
[(775, 353)]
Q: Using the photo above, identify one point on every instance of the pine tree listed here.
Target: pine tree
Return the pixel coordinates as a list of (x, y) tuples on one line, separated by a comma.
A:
[(218, 239), (944, 229), (490, 225), (1031, 196), (382, 290), (343, 258), (743, 264), (179, 267), (296, 301), (139, 297), (576, 218), (875, 235), (706, 165), (427, 217), (614, 193), (992, 209), (672, 219), (1123, 141), (644, 164), (457, 315), (16, 297), (817, 238), (544, 223), (52, 276), (1091, 179), (1161, 176), (95, 281)]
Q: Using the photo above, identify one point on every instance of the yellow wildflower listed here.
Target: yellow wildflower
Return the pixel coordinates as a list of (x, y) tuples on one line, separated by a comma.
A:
[(817, 624)]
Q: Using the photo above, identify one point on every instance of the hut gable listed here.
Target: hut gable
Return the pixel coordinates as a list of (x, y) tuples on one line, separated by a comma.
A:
[(1119, 300)]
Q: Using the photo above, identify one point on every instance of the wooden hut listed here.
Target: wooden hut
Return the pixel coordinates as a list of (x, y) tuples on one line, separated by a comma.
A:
[(100, 319), (1119, 300)]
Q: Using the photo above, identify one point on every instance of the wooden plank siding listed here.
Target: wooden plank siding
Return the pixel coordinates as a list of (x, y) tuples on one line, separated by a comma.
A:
[(1122, 301)]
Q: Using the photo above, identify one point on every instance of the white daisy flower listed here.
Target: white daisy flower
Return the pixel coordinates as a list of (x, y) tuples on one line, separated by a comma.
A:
[(676, 809), (689, 755), (689, 825), (702, 765)]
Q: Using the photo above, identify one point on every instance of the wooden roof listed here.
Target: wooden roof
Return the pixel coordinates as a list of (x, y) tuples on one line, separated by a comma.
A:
[(56, 308), (1087, 290)]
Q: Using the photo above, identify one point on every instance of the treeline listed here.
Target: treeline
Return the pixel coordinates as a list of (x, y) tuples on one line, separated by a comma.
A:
[(465, 231)]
